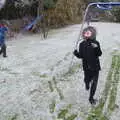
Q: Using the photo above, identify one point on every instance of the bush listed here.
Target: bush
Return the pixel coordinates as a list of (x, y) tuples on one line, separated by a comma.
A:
[(65, 12), (116, 15), (49, 3)]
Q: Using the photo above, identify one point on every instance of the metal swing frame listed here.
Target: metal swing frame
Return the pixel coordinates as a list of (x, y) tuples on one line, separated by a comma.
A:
[(99, 5)]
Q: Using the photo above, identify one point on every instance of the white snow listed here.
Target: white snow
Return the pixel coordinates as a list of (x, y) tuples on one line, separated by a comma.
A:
[(32, 62)]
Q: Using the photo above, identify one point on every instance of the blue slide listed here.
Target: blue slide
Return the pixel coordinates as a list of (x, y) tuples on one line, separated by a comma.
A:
[(33, 22)]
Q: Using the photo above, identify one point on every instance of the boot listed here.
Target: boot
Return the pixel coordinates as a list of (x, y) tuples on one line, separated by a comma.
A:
[(87, 86), (92, 101)]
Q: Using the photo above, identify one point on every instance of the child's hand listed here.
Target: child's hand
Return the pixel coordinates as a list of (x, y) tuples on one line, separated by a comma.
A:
[(75, 52)]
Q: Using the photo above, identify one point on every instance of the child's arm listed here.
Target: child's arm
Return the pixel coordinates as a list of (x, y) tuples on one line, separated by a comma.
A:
[(98, 50), (78, 54)]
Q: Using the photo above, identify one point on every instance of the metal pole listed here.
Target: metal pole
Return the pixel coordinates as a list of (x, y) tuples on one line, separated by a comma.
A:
[(83, 22), (80, 34)]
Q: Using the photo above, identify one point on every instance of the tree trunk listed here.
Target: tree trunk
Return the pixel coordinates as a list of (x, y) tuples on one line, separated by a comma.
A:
[(40, 7), (41, 12)]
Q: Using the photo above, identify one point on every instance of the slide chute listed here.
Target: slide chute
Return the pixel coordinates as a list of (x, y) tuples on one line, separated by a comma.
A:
[(32, 23)]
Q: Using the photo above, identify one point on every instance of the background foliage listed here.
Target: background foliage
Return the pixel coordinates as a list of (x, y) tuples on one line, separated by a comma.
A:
[(58, 12)]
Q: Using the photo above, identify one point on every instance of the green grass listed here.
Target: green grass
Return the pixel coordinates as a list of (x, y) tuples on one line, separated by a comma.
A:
[(110, 93), (64, 114), (52, 106), (58, 89), (71, 117), (50, 86), (113, 92), (13, 117)]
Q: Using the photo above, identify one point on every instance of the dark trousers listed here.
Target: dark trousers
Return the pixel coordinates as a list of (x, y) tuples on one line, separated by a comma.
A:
[(91, 77), (3, 50)]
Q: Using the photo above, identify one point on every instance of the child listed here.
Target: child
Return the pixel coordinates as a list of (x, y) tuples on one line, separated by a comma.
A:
[(3, 30), (89, 52)]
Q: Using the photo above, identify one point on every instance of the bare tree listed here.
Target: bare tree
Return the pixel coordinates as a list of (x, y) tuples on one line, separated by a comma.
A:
[(42, 13)]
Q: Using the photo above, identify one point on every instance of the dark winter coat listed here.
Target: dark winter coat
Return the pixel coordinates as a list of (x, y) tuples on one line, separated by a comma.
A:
[(89, 52)]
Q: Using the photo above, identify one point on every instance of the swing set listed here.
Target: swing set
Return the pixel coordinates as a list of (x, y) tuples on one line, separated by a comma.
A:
[(99, 5)]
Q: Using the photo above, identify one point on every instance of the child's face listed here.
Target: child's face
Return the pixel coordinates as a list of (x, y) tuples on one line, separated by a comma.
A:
[(87, 34)]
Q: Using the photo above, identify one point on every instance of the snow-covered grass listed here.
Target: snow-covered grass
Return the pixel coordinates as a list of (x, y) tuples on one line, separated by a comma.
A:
[(37, 84), (107, 102)]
